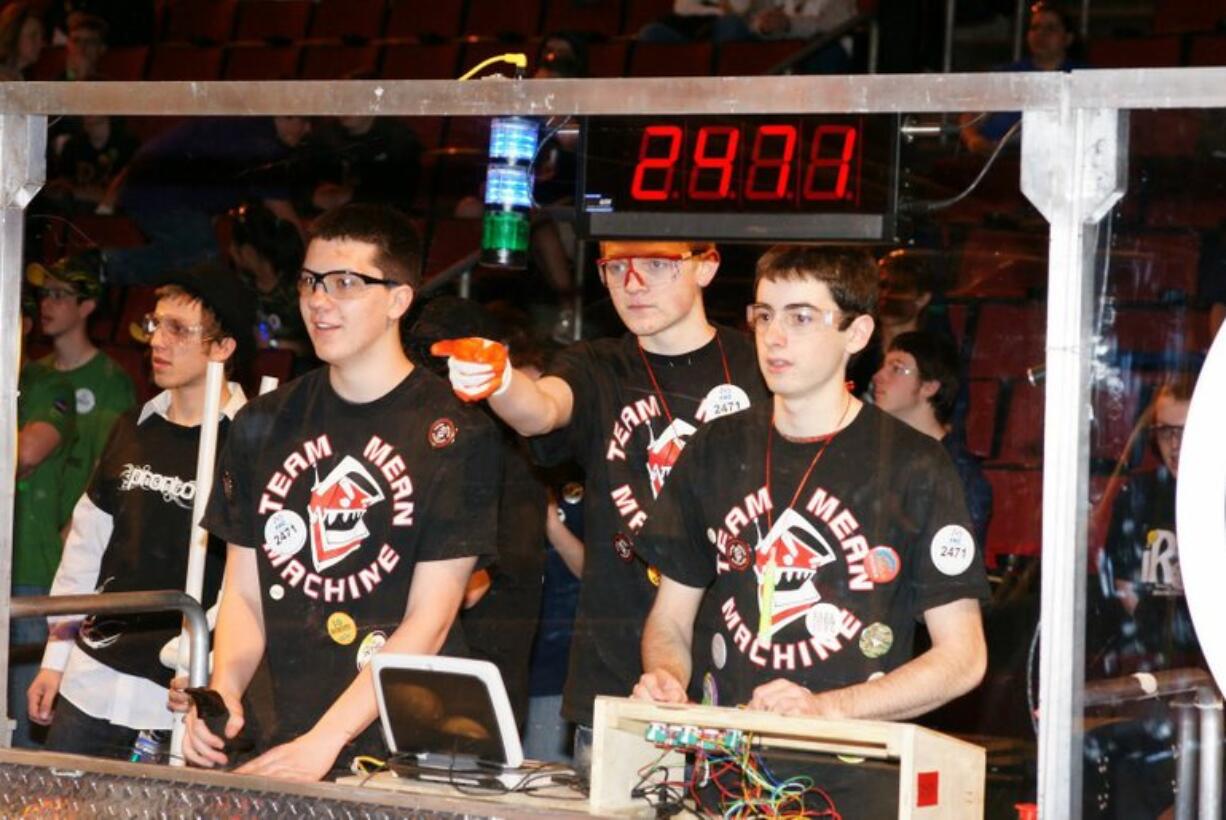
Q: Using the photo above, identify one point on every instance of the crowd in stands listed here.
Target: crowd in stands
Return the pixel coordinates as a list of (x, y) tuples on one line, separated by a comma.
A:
[(957, 352)]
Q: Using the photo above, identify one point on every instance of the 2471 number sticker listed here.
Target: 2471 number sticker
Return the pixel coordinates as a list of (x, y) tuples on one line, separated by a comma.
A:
[(953, 549)]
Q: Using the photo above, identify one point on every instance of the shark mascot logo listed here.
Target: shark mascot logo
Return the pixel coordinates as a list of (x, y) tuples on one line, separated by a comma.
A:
[(663, 452), (337, 508), (786, 562)]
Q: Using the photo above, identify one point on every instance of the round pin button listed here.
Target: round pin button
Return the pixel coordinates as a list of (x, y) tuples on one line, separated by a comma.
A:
[(738, 554), (276, 592), (623, 546), (653, 575), (876, 640), (341, 628), (881, 565), (719, 651)]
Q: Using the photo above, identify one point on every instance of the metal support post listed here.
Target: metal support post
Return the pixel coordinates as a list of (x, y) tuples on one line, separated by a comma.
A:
[(23, 165), (1210, 704), (947, 63), (1019, 28), (1074, 168), (1186, 739)]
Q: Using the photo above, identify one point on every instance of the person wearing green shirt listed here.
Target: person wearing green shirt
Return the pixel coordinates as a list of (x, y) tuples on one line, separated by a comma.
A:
[(74, 379)]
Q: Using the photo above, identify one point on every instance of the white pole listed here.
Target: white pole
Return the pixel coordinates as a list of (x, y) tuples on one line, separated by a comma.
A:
[(197, 549)]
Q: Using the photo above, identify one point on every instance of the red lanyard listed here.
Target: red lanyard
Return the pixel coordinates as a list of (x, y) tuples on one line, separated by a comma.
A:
[(825, 440), (651, 374)]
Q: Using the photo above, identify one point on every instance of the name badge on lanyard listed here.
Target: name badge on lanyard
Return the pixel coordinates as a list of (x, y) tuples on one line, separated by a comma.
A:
[(722, 400)]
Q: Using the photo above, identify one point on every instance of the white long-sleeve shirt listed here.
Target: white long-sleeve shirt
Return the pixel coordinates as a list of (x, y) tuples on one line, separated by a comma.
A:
[(91, 686)]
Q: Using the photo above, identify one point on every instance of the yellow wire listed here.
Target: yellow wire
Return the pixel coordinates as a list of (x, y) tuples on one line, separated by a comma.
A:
[(360, 762), (520, 61)]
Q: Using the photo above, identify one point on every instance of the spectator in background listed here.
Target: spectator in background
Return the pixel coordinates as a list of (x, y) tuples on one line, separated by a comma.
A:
[(918, 384), (90, 158), (179, 181), (1051, 40), (268, 251), (68, 293), (87, 34), (377, 159), (46, 425), (21, 40), (691, 20)]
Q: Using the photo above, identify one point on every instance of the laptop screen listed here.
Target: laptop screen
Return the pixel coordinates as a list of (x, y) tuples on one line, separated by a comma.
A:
[(443, 713)]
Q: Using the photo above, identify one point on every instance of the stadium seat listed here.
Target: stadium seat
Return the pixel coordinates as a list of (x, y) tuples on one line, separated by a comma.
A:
[(429, 130), (1021, 442), (602, 17), (124, 64), (337, 62), (1009, 339), (135, 362), (185, 63), (276, 21), (269, 362), (958, 318), (138, 300), (984, 398), (421, 62), (109, 231), (1154, 266), (348, 20), (450, 241), (1207, 49), (503, 18), (607, 59), (1001, 264), (200, 22), (415, 20), (1164, 133), (261, 62), (665, 60), (1016, 527), (50, 64), (751, 57), (1135, 52), (1183, 16), (1160, 331)]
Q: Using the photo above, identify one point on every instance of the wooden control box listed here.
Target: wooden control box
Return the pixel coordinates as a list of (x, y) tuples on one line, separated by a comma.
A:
[(938, 776)]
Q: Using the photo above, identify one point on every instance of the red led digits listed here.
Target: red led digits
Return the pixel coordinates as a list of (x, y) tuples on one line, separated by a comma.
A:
[(774, 146), (708, 157), (845, 134), (650, 160)]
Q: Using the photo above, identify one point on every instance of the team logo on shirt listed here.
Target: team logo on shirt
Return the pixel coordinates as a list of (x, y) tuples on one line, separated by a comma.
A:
[(1160, 563), (337, 509), (358, 496), (664, 451), (786, 562)]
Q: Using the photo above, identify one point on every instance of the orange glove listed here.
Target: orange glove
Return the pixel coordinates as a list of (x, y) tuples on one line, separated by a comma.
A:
[(478, 368)]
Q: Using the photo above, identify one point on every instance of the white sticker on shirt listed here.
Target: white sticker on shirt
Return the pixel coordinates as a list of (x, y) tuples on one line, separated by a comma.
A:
[(284, 532), (953, 549), (722, 400), (369, 647), (823, 621), (719, 651), (85, 400)]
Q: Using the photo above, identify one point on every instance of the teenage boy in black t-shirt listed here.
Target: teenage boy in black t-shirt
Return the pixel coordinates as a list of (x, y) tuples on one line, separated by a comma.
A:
[(356, 500), (801, 541), (624, 409), (130, 530)]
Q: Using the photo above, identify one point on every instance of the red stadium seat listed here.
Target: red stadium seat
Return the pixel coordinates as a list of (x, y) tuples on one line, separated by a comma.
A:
[(135, 362), (124, 64), (665, 60), (1021, 441), (262, 63), (337, 62), (957, 320), (1135, 52), (1207, 49), (1154, 266), (50, 65), (607, 59), (1180, 16), (984, 396), (1009, 339), (415, 20), (1016, 527), (109, 231), (1160, 330), (348, 20), (503, 18), (280, 21), (1001, 264), (269, 362), (601, 17), (450, 241), (641, 12), (146, 128), (421, 62), (1165, 133), (753, 57), (1183, 210), (203, 22), (185, 63)]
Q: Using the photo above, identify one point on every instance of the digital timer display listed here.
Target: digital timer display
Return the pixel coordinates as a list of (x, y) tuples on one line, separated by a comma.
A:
[(740, 171)]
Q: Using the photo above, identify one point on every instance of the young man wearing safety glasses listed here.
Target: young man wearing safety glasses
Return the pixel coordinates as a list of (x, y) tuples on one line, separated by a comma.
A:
[(356, 501), (800, 542), (623, 409)]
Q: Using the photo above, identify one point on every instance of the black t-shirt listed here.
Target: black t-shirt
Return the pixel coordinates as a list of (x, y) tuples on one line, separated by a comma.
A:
[(146, 481), (1143, 550), (620, 434), (340, 502), (879, 534)]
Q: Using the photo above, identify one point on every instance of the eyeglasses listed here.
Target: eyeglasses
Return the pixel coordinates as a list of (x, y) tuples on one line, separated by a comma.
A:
[(55, 294), (897, 368), (797, 319), (1169, 433), (176, 331), (340, 284), (650, 271)]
